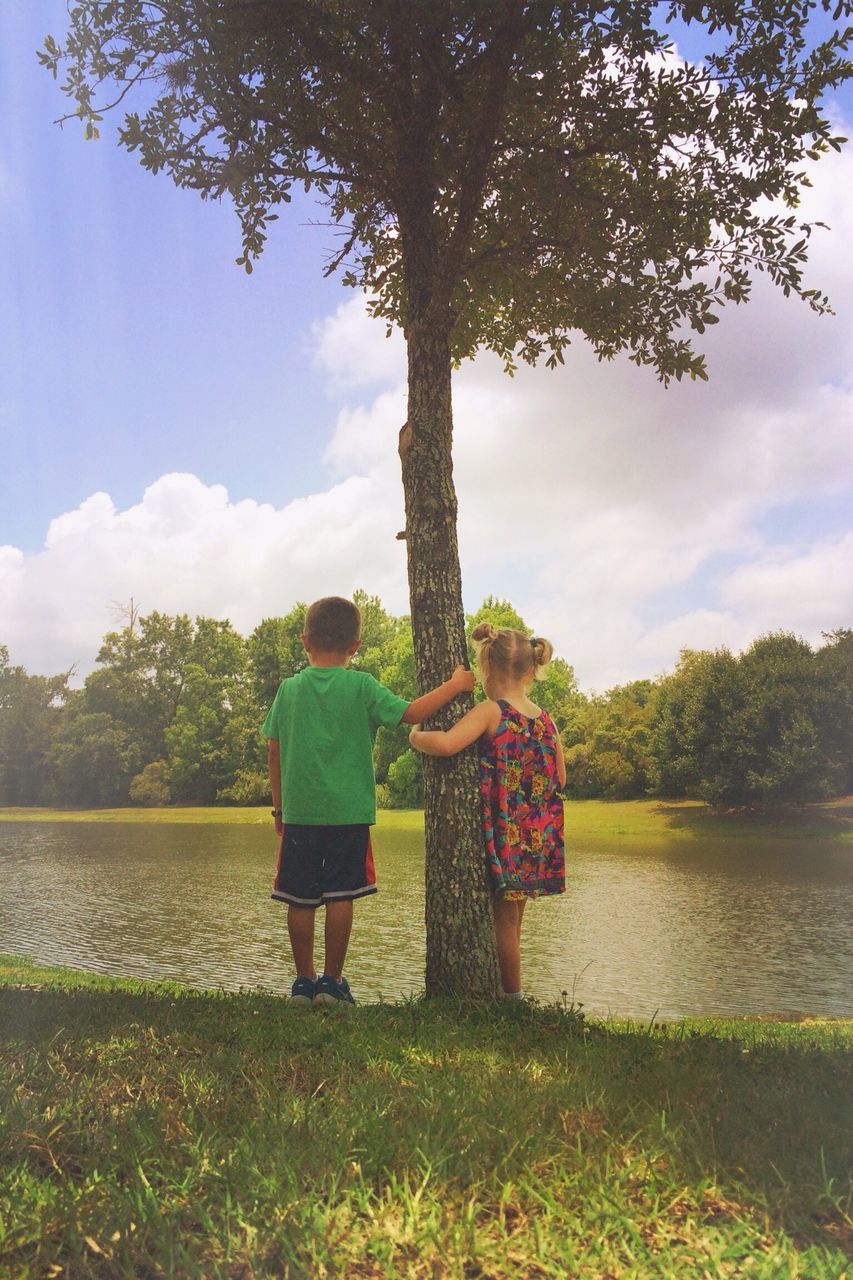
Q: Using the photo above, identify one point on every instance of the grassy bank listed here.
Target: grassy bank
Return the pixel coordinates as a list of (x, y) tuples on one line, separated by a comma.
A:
[(150, 1131), (593, 819)]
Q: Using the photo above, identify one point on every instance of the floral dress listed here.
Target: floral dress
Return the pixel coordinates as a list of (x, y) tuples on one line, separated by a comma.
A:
[(522, 807)]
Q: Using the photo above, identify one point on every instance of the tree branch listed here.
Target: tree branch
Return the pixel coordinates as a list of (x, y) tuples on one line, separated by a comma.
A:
[(479, 151)]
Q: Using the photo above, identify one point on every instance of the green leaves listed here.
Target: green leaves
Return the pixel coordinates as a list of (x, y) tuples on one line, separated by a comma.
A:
[(541, 169)]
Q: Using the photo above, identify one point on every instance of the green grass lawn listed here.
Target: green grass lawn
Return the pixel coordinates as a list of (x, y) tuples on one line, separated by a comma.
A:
[(147, 1130), (635, 819)]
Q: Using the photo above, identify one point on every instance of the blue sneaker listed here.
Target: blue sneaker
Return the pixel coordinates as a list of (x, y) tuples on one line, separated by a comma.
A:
[(332, 991), (303, 991)]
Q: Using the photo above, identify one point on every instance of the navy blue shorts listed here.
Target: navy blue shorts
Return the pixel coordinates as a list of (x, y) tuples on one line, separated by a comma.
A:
[(324, 864)]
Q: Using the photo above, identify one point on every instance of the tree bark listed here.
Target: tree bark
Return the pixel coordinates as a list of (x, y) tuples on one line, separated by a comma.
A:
[(460, 950)]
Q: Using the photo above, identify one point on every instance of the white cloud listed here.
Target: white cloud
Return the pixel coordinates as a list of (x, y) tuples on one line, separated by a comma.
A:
[(816, 585), (187, 548), (355, 350)]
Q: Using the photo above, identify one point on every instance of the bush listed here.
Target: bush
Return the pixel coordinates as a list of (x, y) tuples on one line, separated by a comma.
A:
[(151, 786), (249, 787), (405, 787)]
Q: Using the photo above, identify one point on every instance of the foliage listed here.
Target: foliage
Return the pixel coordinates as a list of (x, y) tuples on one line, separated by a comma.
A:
[(767, 728), (93, 760), (151, 786), (30, 717), (614, 754), (760, 728), (834, 661), (524, 170), (405, 785), (275, 652), (141, 675), (250, 787)]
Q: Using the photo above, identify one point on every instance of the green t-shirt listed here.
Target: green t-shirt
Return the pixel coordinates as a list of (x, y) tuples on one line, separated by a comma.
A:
[(325, 720)]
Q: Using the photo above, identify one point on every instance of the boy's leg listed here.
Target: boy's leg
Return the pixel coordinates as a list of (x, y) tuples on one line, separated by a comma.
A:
[(348, 873), (300, 927), (338, 929), (507, 916)]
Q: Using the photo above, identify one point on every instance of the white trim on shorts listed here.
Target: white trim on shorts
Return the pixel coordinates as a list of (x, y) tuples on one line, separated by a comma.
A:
[(350, 894)]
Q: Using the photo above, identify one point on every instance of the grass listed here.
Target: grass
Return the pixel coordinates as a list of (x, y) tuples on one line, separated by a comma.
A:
[(153, 1131), (586, 819)]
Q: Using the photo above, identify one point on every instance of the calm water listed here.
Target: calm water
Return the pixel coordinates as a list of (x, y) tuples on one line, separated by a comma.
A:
[(674, 928)]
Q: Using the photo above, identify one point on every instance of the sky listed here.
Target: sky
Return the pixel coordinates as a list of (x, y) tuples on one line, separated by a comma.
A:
[(202, 441)]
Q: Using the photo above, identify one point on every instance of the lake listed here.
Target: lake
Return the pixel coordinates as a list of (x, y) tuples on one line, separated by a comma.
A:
[(670, 927)]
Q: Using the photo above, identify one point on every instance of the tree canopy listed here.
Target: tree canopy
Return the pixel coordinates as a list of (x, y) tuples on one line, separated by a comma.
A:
[(521, 169)]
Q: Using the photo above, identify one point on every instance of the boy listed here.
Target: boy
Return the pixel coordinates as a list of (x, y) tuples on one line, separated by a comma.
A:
[(321, 729)]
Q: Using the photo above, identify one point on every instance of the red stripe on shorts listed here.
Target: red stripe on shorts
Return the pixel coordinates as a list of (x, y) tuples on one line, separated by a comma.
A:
[(369, 868), (278, 864)]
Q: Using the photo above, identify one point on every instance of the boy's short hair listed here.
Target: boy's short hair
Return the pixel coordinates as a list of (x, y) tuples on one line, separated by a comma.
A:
[(332, 625)]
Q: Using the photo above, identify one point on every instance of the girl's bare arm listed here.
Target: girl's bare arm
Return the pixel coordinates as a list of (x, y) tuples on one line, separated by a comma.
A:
[(484, 718), (561, 762)]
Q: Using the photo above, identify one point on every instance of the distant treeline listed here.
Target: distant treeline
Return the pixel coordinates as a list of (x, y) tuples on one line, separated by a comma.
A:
[(172, 715)]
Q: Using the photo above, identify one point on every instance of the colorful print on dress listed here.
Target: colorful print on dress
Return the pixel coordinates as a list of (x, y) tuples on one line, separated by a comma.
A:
[(522, 806)]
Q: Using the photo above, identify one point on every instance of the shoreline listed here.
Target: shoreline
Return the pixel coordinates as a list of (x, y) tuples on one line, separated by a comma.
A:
[(22, 973), (585, 819)]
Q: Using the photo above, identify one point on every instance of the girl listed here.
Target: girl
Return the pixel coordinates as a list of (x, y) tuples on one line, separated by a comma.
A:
[(521, 769)]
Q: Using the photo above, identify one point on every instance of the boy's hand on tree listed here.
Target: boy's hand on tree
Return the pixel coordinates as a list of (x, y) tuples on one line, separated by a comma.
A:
[(463, 679)]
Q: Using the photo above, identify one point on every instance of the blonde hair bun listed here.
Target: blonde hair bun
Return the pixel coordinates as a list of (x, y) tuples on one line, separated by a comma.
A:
[(542, 650), (484, 631)]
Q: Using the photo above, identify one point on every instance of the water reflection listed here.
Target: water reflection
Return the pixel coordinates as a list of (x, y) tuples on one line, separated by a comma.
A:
[(673, 928)]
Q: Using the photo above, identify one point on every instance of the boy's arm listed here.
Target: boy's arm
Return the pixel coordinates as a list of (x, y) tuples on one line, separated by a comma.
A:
[(462, 681), (274, 770), (484, 718)]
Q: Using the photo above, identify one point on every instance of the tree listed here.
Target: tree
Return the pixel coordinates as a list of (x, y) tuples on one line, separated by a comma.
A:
[(205, 738), (275, 651), (30, 717), (394, 665), (93, 759), (615, 755), (834, 667), (770, 727), (780, 719), (700, 737), (141, 677), (504, 173)]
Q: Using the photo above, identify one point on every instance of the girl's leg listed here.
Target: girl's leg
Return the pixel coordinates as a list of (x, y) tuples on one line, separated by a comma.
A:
[(300, 926), (507, 917)]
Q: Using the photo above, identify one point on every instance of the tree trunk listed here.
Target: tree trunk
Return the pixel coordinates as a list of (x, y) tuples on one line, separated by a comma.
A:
[(459, 935)]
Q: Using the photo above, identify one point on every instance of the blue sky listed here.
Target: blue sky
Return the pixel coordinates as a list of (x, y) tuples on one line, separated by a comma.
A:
[(134, 346), (206, 441)]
